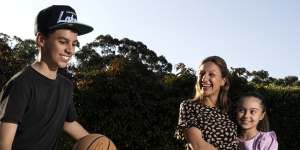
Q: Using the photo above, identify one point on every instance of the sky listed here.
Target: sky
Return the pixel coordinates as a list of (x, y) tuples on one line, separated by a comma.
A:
[(255, 34)]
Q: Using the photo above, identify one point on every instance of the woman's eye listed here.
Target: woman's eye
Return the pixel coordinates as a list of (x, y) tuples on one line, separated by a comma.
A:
[(201, 74)]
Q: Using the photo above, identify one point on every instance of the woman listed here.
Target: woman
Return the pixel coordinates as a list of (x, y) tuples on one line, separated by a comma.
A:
[(203, 121)]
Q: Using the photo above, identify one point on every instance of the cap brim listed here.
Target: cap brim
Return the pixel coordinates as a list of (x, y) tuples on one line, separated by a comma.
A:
[(78, 27)]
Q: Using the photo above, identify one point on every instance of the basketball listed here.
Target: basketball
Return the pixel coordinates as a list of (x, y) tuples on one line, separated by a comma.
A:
[(94, 142)]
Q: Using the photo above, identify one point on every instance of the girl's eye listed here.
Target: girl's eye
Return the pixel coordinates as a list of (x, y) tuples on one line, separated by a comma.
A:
[(241, 110), (253, 112)]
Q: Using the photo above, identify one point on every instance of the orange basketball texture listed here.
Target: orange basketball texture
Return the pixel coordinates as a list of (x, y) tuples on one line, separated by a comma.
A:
[(94, 142)]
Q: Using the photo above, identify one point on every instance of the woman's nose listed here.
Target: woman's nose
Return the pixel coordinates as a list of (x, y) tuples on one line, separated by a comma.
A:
[(204, 77)]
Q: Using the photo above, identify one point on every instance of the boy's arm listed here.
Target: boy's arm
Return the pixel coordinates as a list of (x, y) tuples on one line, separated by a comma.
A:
[(7, 135), (194, 137), (75, 130)]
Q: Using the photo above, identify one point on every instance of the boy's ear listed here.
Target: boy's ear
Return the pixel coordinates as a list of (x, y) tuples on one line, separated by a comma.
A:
[(40, 39)]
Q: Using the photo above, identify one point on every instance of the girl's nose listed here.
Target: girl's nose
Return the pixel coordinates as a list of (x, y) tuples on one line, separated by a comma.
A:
[(246, 114)]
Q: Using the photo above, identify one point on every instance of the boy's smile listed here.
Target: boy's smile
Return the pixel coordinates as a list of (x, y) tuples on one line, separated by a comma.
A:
[(59, 47)]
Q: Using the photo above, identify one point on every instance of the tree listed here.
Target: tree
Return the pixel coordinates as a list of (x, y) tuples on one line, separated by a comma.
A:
[(183, 70), (260, 76), (239, 81), (290, 80), (122, 79), (15, 53)]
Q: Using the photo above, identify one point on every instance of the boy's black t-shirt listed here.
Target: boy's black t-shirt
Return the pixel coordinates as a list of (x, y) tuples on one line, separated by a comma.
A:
[(39, 106)]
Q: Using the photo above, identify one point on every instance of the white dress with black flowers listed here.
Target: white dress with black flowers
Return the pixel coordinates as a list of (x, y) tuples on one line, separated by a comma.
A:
[(217, 129)]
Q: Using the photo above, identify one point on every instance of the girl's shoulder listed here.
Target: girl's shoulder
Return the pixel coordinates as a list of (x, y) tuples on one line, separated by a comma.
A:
[(267, 140), (268, 135)]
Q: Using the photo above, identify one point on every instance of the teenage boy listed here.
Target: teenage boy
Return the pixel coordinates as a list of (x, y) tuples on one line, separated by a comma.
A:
[(36, 103)]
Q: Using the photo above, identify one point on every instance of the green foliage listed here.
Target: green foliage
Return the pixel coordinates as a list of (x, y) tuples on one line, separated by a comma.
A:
[(260, 76), (14, 55), (290, 80), (126, 92), (283, 103)]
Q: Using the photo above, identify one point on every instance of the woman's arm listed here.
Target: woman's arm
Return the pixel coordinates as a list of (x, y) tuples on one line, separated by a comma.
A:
[(7, 135), (194, 136), (75, 130)]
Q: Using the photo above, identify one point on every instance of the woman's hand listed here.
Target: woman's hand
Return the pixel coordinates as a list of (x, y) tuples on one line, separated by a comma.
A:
[(194, 137)]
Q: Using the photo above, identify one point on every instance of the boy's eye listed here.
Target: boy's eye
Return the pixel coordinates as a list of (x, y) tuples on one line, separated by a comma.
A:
[(62, 42), (76, 44)]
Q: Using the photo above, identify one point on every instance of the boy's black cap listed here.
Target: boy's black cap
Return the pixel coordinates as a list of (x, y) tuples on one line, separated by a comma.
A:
[(59, 17)]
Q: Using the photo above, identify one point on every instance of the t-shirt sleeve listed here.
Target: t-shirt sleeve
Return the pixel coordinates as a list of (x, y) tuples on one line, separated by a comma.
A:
[(14, 99), (71, 114), (268, 141), (186, 120)]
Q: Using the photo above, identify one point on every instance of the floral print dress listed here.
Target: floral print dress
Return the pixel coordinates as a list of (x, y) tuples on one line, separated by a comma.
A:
[(217, 129)]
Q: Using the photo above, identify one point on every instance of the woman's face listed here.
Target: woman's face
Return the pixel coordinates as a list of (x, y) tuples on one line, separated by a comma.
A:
[(210, 79)]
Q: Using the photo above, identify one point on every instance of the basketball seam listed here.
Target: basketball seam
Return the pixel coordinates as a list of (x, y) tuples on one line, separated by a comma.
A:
[(94, 142)]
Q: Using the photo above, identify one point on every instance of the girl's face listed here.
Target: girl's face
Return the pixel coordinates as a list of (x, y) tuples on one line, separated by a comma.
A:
[(249, 113), (210, 79)]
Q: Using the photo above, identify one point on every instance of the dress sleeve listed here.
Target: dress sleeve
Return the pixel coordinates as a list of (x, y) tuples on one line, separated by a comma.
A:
[(14, 99), (186, 120), (268, 141)]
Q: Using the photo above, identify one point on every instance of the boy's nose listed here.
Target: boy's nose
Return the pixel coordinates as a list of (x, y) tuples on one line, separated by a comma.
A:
[(70, 50)]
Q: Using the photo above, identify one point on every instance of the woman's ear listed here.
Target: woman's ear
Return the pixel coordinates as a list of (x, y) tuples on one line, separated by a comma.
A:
[(223, 82)]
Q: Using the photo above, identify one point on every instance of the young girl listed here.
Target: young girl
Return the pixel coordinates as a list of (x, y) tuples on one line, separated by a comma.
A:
[(253, 124)]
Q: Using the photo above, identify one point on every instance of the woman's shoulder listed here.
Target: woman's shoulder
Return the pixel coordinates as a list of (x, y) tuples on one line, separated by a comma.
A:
[(190, 103), (186, 102)]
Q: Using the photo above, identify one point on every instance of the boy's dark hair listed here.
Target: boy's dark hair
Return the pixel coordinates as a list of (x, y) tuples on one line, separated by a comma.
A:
[(264, 124)]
